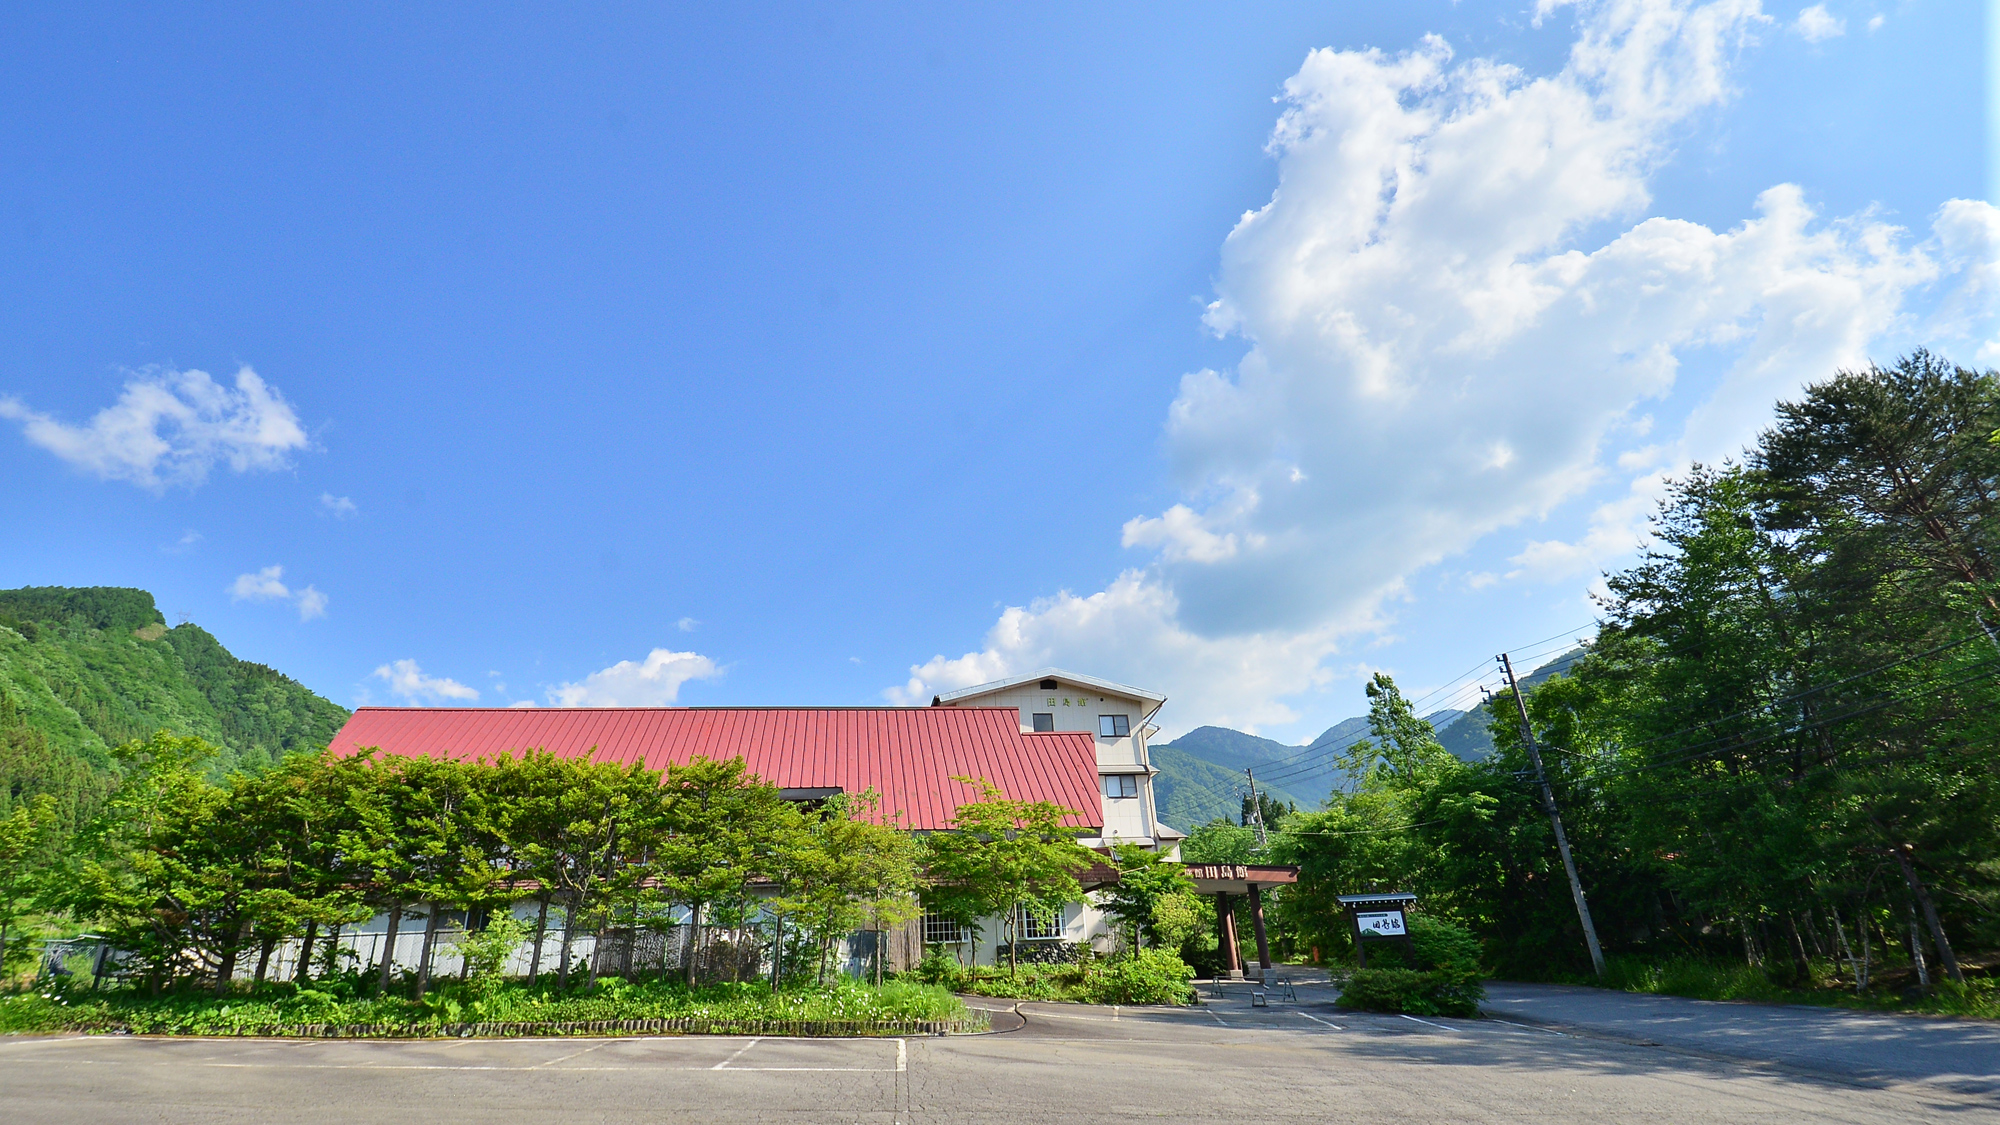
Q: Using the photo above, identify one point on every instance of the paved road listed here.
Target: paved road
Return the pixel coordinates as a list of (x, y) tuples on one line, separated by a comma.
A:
[(1304, 1061), (1961, 1055)]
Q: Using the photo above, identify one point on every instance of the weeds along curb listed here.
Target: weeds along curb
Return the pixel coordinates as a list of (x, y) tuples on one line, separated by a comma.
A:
[(682, 1025)]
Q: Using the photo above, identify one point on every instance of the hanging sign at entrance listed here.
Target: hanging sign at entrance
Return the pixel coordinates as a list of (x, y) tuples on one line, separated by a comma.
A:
[(1382, 924)]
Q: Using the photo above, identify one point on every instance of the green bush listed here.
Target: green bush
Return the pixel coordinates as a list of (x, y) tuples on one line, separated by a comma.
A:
[(1441, 979), (1150, 976)]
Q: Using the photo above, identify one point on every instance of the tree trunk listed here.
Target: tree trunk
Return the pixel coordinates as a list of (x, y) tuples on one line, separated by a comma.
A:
[(1945, 955), (1014, 941), (778, 952), (569, 935), (1801, 964), (264, 958), (333, 950), (302, 972), (541, 935), (225, 973), (1846, 950), (424, 958), (1861, 923), (1917, 953), (693, 943), (3, 941), (389, 946)]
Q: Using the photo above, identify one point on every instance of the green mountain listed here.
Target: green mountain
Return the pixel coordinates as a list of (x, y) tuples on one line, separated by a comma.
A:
[(1201, 772), (83, 670)]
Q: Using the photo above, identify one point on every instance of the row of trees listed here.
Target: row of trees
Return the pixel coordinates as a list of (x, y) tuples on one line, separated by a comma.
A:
[(1782, 742), (190, 877)]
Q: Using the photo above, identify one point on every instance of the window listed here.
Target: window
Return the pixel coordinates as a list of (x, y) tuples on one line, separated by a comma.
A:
[(939, 930), (1114, 726), (1044, 723), (1048, 685), (1036, 925), (1120, 785)]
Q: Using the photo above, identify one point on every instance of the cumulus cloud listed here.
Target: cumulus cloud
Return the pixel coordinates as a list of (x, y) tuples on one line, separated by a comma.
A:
[(1816, 24), (312, 604), (171, 427), (1454, 305), (656, 682), (268, 585), (260, 586), (339, 507), (408, 682), (687, 624)]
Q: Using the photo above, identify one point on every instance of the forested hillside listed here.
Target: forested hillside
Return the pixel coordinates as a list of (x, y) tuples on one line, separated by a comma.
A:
[(82, 670), (1780, 749)]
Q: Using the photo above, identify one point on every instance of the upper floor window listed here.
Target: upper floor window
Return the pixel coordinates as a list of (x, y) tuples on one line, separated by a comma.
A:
[(1114, 726), (1044, 722), (1118, 785), (1048, 685)]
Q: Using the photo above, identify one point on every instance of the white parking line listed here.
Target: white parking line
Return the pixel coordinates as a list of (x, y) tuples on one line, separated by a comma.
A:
[(1316, 1019), (1427, 1023), (724, 1064), (1529, 1026), (902, 1056), (571, 1055)]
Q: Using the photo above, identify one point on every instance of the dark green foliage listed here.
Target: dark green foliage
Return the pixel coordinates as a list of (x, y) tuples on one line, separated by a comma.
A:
[(1779, 750), (1439, 976), (83, 670)]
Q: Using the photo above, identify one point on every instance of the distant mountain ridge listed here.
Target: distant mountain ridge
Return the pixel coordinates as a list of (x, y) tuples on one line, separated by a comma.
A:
[(1201, 772)]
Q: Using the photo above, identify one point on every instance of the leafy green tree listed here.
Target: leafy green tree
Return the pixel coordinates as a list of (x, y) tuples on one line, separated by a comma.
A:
[(1146, 880), (26, 837), (841, 869), (1001, 856), (720, 830)]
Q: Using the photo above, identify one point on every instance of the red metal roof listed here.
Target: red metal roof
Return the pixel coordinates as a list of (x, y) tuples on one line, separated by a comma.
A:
[(907, 754)]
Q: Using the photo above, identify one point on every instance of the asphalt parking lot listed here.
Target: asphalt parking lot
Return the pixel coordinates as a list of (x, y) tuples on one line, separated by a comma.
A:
[(1228, 1060)]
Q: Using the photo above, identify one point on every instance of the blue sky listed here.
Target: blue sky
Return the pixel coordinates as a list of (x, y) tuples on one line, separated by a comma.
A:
[(791, 356)]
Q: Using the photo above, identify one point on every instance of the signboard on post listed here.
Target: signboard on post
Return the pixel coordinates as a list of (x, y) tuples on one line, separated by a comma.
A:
[(1379, 917), (1381, 924)]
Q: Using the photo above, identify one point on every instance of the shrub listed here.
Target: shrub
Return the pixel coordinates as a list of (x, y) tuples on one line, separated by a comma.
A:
[(1441, 979), (939, 967), (1149, 976)]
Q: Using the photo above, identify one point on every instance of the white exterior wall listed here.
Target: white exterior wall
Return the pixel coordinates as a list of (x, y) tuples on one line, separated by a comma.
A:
[(1077, 707)]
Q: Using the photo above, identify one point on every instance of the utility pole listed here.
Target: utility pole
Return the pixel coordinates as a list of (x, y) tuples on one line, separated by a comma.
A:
[(1256, 807), (1555, 818)]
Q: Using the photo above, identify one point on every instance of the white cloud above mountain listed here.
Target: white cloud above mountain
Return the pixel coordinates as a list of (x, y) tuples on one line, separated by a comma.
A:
[(1454, 305), (268, 585), (408, 682), (653, 682), (172, 427)]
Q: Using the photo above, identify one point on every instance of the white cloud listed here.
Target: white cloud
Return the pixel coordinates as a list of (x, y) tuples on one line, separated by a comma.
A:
[(687, 624), (171, 427), (1816, 24), (1131, 633), (408, 682), (1875, 23), (260, 586), (1435, 352), (187, 542), (654, 683), (268, 585), (339, 507), (312, 604)]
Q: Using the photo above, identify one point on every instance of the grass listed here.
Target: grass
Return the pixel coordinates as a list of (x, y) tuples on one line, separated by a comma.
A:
[(1702, 979), (55, 1009)]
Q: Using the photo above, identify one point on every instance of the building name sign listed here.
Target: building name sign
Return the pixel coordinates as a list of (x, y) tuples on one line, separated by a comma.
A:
[(1381, 924), (1218, 871)]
